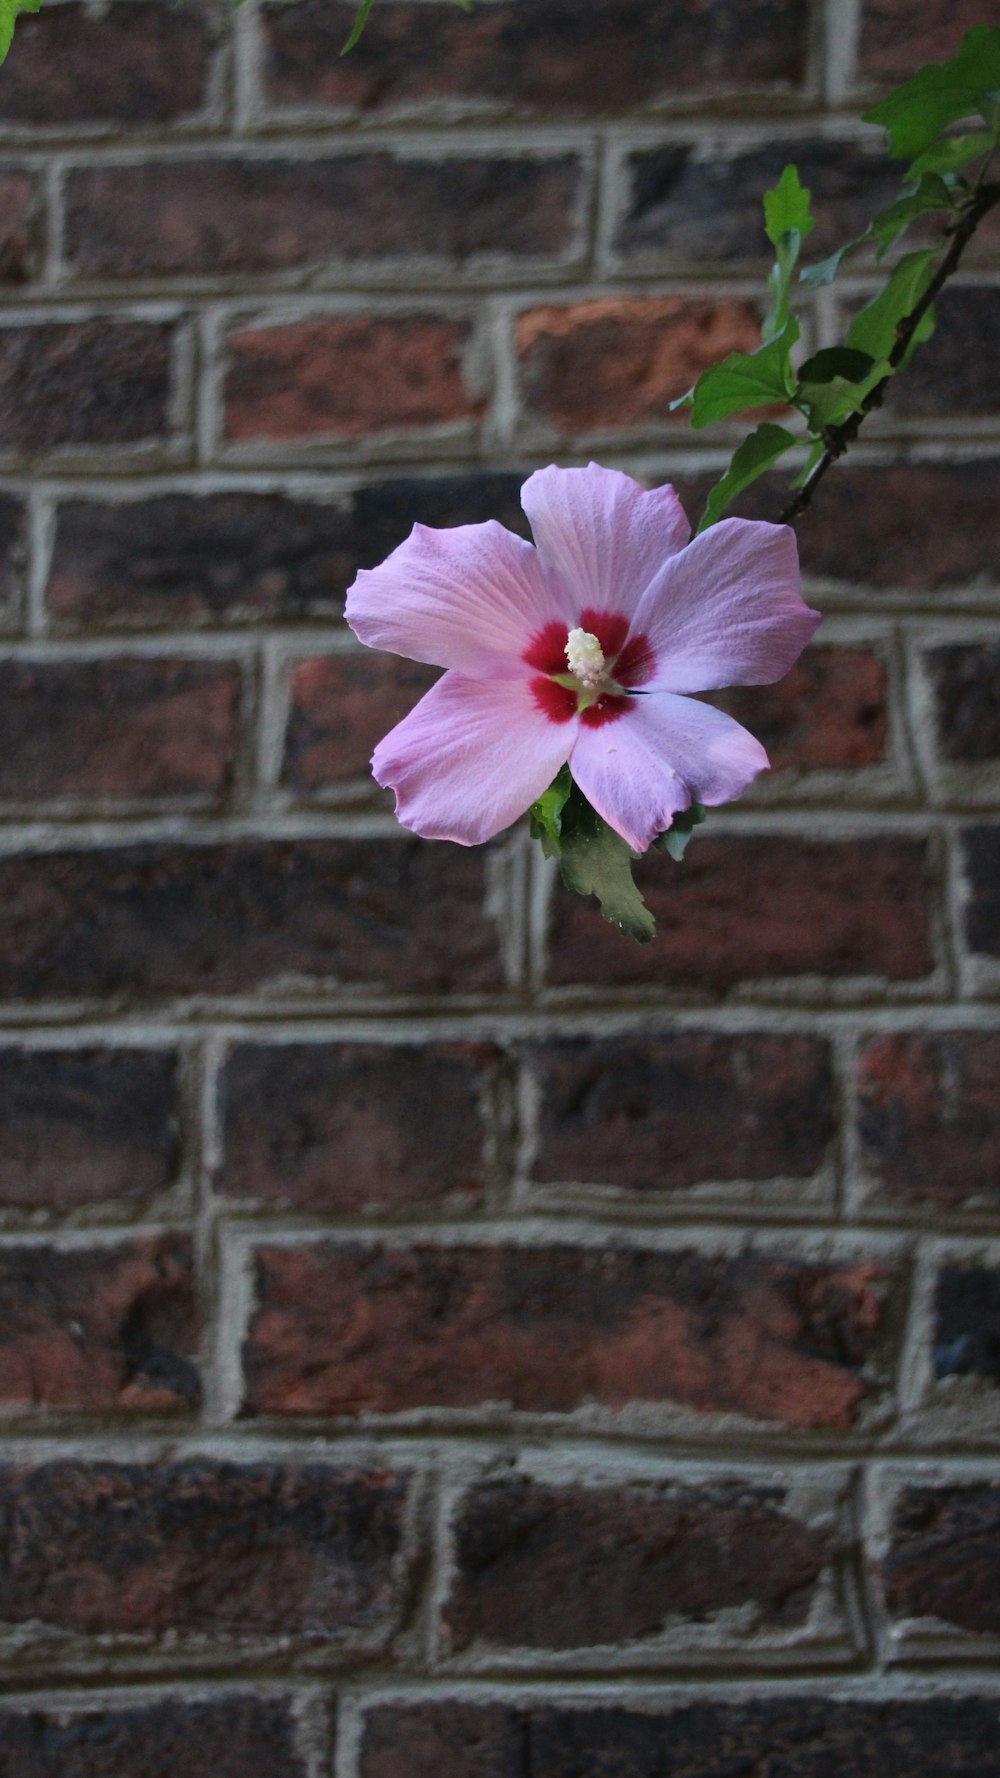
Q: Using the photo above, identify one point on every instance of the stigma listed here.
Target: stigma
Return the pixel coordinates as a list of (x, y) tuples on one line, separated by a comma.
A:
[(585, 658)]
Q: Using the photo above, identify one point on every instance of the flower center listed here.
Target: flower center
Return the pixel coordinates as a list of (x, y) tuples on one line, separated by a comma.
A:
[(585, 658)]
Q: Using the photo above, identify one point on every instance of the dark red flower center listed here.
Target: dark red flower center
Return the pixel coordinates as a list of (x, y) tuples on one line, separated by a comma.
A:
[(628, 662)]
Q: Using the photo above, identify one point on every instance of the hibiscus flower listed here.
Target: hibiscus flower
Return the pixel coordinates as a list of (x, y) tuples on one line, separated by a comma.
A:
[(583, 649)]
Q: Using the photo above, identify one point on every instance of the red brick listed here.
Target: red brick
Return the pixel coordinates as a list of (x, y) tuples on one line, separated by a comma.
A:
[(231, 558), (86, 1126), (967, 1323), (212, 217), (554, 59), (929, 1116), (612, 362), (541, 1566), (19, 233), (966, 682), (742, 908), (93, 1329), (341, 706), (201, 1548), (659, 1114), (898, 36), (348, 1329), (796, 1736), (228, 1736), (132, 64), (346, 376), (944, 1560), (127, 728), (981, 853), (149, 920), (828, 713), (87, 383), (344, 1127)]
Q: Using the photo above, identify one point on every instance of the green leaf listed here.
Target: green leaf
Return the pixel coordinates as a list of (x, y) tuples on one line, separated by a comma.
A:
[(931, 194), (940, 94), (951, 154), (750, 459), (834, 382), (874, 329), (9, 10), (815, 453), (836, 361), (546, 814), (786, 207), (746, 380), (825, 270), (675, 841), (594, 860)]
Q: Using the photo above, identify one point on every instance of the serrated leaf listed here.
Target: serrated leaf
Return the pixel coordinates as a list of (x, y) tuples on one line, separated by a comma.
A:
[(675, 841), (755, 455), (546, 814), (834, 382), (931, 194), (745, 380), (9, 10), (594, 860), (873, 330), (951, 154), (940, 94), (786, 207)]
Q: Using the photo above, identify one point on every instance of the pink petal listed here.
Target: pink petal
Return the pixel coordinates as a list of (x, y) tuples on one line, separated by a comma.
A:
[(664, 753), (602, 534), (471, 757), (728, 610), (470, 598)]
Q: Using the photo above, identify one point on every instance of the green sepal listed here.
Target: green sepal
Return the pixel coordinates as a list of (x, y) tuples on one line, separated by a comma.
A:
[(745, 380), (545, 815), (9, 10), (675, 841), (940, 94), (755, 455)]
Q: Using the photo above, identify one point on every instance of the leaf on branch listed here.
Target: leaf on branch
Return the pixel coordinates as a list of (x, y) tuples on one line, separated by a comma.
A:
[(940, 94), (745, 380), (874, 329), (931, 194), (675, 841), (9, 10), (755, 455), (786, 207), (834, 382), (593, 859), (952, 153)]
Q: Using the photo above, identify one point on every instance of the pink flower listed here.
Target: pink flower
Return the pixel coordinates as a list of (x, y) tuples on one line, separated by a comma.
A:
[(581, 648)]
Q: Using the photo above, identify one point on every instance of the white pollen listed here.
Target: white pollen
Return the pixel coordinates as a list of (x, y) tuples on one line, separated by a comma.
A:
[(585, 657)]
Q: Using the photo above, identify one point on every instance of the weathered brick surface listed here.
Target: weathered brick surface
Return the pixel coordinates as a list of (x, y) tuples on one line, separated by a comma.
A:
[(344, 377), (341, 706), (966, 682), (151, 920), (348, 1328), (200, 1548), (340, 1127), (117, 728), (616, 362), (613, 55), (175, 1737), (554, 1567), (981, 850), (945, 378), (105, 1327), (214, 217), (86, 1126), (84, 384), (897, 36), (800, 1737), (929, 1116), (828, 713), (130, 66), (944, 1558), (742, 908), (967, 1323), (661, 1114), (19, 230)]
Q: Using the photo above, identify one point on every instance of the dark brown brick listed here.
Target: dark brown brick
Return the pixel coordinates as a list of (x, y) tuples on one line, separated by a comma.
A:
[(661, 1114), (346, 376), (795, 1737), (828, 713), (552, 59), (213, 217), (123, 728), (12, 550), (966, 682), (981, 850), (200, 1548), (739, 908), (149, 920), (944, 1561), (613, 362), (341, 706), (225, 558), (346, 1329), (342, 1127), (929, 1116), (684, 206), (106, 1327), (898, 36), (134, 64), (92, 383), (541, 1566), (86, 1126), (19, 226), (228, 1737), (945, 377), (967, 1323)]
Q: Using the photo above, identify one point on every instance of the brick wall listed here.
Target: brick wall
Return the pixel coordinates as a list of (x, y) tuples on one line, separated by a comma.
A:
[(439, 1339)]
